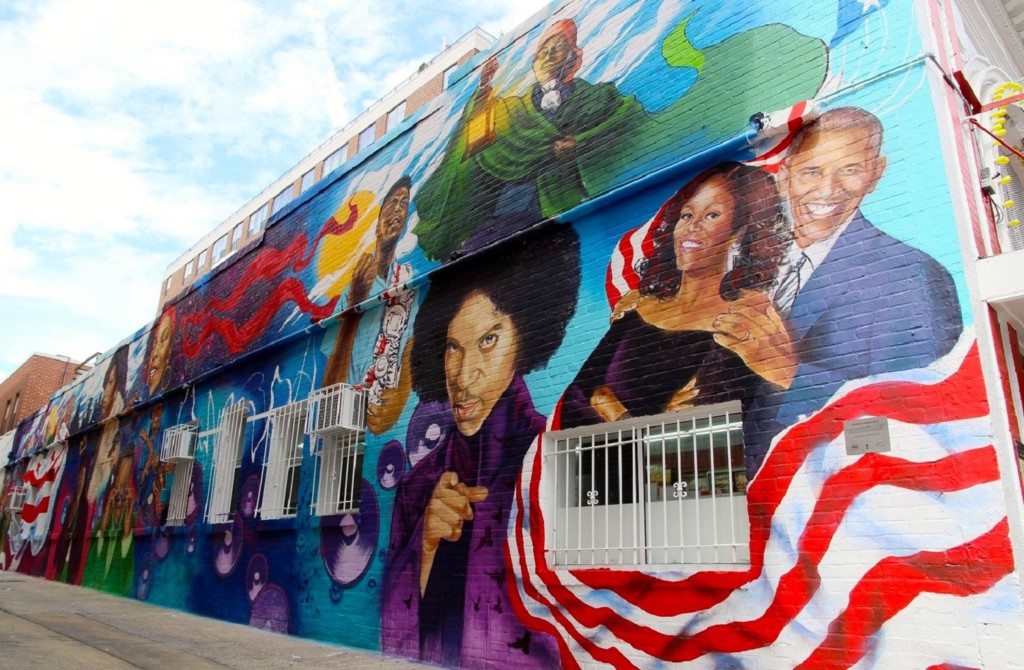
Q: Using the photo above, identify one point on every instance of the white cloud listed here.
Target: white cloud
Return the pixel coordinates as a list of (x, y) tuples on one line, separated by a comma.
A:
[(128, 130)]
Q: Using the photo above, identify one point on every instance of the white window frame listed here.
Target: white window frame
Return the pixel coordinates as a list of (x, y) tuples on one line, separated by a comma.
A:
[(367, 137), (395, 116), (201, 259), (181, 483), (167, 284), (236, 235), (189, 267), (282, 466), (228, 440), (220, 248), (339, 473), (181, 480), (308, 180), (282, 199), (447, 77), (336, 158), (661, 499), (258, 218)]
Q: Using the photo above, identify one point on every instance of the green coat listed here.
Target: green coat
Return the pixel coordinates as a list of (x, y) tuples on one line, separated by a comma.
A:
[(462, 192)]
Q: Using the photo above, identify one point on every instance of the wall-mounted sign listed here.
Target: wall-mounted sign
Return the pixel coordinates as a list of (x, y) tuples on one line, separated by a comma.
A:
[(868, 435)]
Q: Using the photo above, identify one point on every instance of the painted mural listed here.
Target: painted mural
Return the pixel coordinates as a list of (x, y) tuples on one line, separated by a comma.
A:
[(623, 221)]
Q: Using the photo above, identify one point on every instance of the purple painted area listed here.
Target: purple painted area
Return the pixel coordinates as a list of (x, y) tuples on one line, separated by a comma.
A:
[(195, 493), (247, 499), (390, 464), (348, 542), (256, 576), (431, 422), (270, 610), (227, 547), (161, 543), (145, 577)]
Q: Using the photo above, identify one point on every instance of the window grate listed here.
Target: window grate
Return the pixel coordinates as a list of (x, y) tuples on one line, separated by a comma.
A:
[(227, 467), (177, 509), (662, 492), (280, 491), (340, 475)]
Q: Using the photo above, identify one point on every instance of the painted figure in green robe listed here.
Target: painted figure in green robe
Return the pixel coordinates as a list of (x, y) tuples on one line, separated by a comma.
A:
[(512, 161)]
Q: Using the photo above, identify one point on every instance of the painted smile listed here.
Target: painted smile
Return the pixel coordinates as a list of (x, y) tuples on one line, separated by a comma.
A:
[(820, 210), (465, 409)]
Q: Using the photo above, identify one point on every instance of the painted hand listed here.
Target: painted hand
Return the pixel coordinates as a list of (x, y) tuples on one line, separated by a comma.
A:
[(684, 397), (451, 505), (564, 147), (754, 330), (362, 279)]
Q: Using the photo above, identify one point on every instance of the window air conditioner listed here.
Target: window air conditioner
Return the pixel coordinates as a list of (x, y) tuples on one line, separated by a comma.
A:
[(179, 443), (338, 409)]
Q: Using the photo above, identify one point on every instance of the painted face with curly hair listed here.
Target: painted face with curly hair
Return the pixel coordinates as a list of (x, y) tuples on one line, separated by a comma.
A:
[(704, 231)]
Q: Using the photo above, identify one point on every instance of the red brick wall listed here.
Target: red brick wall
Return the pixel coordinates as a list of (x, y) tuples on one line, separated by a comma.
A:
[(31, 385)]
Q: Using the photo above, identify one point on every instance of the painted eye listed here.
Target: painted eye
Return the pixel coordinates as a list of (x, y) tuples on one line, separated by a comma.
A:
[(489, 341)]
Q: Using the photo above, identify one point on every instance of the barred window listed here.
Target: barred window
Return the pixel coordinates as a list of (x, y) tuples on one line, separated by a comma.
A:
[(227, 463), (663, 490), (279, 496), (181, 487), (340, 463)]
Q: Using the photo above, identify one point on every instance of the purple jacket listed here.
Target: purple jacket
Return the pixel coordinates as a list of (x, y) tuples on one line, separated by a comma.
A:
[(465, 617)]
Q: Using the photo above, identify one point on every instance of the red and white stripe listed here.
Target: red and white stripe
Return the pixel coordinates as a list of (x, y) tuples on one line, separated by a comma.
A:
[(840, 545)]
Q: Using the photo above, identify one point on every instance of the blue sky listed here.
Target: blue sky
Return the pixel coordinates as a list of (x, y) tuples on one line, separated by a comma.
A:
[(128, 130)]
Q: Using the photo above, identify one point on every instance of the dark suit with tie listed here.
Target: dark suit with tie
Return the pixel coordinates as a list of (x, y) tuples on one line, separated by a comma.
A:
[(873, 305)]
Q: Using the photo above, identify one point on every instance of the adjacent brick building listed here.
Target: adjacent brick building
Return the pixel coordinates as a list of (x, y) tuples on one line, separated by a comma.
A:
[(30, 386)]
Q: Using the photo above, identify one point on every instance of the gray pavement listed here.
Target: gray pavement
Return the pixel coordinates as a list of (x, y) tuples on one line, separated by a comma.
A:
[(52, 625)]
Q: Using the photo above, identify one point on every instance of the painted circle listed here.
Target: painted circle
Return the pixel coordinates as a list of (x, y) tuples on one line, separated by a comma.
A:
[(390, 464), (227, 547), (348, 542), (256, 575), (270, 610)]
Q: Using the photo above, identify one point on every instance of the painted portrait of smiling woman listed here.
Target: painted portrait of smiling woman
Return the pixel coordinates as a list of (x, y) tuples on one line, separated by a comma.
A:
[(700, 328), (483, 325)]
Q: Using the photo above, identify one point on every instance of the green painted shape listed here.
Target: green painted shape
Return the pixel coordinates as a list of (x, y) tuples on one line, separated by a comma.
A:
[(677, 49)]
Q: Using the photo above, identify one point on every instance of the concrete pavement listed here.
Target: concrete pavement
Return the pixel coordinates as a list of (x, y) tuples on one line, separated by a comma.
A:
[(54, 625)]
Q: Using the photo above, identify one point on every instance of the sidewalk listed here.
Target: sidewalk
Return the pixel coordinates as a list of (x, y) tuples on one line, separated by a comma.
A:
[(60, 626)]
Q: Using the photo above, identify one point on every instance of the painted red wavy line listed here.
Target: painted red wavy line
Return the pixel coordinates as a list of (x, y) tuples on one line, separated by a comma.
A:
[(237, 338), (797, 587), (32, 479), (969, 569), (923, 404), (29, 513)]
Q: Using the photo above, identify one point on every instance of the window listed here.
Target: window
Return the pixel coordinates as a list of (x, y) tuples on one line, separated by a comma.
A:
[(283, 198), (220, 247), (657, 490), (340, 473), (396, 115), (448, 77), (189, 267), (338, 424), (335, 159), (201, 260), (308, 180), (279, 496), (227, 463), (181, 488), (258, 218), (367, 137), (167, 285), (236, 236), (178, 447)]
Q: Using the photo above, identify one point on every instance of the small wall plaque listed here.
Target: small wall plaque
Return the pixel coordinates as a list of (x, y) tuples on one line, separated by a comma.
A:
[(868, 435)]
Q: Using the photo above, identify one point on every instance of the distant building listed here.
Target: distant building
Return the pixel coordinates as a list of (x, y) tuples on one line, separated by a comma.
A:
[(31, 385)]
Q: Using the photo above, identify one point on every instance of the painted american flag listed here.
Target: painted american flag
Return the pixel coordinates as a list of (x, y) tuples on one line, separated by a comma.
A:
[(840, 546)]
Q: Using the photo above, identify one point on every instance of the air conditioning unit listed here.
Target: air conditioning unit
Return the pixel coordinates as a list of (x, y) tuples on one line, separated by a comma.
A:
[(179, 444), (338, 409), (16, 499)]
